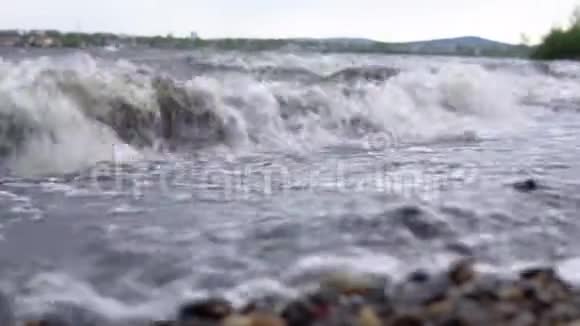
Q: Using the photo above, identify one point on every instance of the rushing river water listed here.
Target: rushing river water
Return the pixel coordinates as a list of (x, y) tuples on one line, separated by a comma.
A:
[(133, 180)]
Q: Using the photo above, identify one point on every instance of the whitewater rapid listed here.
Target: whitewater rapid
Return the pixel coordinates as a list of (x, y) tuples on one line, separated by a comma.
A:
[(131, 181), (62, 114)]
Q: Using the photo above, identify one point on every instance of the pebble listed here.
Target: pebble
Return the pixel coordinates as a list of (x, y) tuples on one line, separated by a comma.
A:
[(299, 313), (459, 296), (462, 272), (368, 317), (407, 320), (353, 284), (164, 323), (255, 319), (215, 309), (528, 185)]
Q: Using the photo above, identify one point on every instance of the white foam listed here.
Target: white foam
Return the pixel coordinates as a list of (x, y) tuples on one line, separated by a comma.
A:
[(46, 289), (125, 209), (63, 99), (259, 288), (569, 270), (56, 98)]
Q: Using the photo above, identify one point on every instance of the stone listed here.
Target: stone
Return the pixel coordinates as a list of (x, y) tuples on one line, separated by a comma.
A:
[(211, 309), (485, 289), (237, 320), (165, 323), (419, 276), (528, 185), (254, 319), (266, 304), (455, 322), (462, 272), (368, 317), (511, 293), (413, 294), (259, 319), (439, 308), (353, 284), (524, 318), (475, 312), (538, 273), (299, 313), (406, 320)]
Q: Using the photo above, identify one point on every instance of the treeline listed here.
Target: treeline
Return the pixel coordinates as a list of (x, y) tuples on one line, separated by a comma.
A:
[(76, 40), (85, 40), (561, 43), (332, 46)]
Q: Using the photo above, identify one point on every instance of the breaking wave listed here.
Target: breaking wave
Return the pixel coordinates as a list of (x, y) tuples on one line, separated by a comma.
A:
[(62, 114)]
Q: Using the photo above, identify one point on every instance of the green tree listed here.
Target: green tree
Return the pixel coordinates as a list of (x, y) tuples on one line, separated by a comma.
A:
[(561, 43), (72, 40)]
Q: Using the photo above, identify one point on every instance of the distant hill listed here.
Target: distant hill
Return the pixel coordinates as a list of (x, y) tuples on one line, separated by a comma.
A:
[(460, 41), (474, 44), (467, 45)]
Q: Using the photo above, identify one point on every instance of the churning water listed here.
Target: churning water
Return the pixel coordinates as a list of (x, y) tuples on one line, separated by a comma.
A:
[(131, 181)]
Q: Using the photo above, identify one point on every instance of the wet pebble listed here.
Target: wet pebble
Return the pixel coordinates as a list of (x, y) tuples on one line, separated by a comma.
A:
[(528, 185), (255, 319), (215, 310), (458, 296), (462, 272)]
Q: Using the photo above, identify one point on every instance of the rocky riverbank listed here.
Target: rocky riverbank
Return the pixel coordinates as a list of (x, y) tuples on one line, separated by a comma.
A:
[(458, 296)]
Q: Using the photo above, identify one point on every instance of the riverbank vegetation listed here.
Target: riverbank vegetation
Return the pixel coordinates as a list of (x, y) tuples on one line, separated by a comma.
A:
[(561, 43)]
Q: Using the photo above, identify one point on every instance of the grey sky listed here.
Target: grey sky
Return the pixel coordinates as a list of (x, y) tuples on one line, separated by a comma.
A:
[(388, 20)]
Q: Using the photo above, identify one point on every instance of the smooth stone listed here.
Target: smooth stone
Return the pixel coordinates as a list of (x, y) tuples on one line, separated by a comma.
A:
[(299, 313), (420, 293), (512, 293), (475, 312), (211, 309), (439, 308), (419, 276), (165, 323), (540, 274), (254, 319), (259, 319), (462, 272), (455, 322), (368, 317), (528, 185), (407, 320), (267, 304), (354, 284)]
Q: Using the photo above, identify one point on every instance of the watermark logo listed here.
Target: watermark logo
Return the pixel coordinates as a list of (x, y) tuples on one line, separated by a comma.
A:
[(221, 180), (381, 142)]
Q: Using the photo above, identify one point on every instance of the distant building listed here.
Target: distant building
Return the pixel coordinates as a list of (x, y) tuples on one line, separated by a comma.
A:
[(42, 39), (10, 38), (194, 35)]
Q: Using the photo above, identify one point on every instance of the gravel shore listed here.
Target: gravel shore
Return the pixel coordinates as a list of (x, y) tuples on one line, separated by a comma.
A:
[(458, 296)]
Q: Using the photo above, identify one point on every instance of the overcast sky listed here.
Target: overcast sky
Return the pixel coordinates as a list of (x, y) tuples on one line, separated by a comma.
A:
[(387, 20)]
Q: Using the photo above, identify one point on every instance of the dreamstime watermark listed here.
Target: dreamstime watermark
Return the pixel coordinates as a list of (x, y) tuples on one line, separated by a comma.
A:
[(223, 181), (381, 142)]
